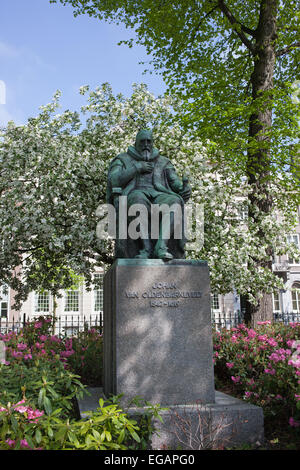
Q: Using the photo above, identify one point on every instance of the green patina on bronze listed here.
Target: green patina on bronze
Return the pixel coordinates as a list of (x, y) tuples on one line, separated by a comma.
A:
[(146, 177)]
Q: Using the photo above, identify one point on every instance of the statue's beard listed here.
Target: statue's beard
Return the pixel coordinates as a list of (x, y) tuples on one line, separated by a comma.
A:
[(146, 153)]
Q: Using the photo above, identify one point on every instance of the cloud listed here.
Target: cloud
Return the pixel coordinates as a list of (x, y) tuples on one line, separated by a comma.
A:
[(8, 51), (5, 116), (23, 55)]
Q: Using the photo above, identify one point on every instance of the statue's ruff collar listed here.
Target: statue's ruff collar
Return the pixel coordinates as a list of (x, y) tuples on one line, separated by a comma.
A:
[(137, 156)]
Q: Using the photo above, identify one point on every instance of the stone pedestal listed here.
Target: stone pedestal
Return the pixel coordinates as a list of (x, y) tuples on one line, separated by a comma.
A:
[(157, 332), (158, 346)]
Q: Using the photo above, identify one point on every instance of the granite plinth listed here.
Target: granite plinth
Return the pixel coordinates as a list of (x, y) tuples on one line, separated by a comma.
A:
[(157, 332)]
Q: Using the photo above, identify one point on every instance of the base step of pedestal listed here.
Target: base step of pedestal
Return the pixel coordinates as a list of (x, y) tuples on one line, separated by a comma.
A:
[(228, 422)]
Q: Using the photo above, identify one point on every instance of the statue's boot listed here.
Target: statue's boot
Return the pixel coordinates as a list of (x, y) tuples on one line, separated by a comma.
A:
[(161, 252), (145, 252)]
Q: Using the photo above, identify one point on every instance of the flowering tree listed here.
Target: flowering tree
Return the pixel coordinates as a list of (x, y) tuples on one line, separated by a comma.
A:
[(53, 174)]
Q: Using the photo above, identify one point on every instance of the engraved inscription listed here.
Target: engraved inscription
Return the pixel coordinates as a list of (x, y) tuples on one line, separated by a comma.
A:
[(131, 295), (164, 294)]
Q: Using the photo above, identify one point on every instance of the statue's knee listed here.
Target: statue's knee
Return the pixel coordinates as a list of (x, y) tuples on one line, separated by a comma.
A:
[(137, 198)]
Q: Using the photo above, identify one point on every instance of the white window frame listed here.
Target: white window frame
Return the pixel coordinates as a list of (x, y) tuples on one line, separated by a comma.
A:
[(279, 300), (291, 262), (295, 293), (215, 298), (66, 296), (43, 311), (4, 299), (98, 291)]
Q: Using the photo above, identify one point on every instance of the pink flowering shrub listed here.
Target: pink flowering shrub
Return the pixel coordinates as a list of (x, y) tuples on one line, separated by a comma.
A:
[(87, 357), (81, 355), (263, 366), (19, 427)]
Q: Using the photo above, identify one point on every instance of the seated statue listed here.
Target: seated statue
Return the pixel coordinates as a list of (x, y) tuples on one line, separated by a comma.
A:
[(147, 178)]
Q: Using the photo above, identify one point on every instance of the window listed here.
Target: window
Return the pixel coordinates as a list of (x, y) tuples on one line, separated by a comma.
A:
[(296, 300), (4, 301), (72, 301), (215, 305), (42, 302), (98, 293), (4, 309), (293, 239), (276, 302)]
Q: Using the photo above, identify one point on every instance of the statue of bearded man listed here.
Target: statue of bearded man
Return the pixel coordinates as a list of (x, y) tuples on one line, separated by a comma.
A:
[(147, 178)]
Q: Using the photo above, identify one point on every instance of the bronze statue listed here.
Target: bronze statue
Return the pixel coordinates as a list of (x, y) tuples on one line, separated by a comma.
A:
[(147, 178)]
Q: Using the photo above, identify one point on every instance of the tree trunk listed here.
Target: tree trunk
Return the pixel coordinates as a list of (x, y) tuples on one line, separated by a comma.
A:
[(258, 162)]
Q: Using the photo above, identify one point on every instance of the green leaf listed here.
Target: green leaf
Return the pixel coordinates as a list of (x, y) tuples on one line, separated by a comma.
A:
[(47, 405), (135, 436), (14, 423), (38, 436)]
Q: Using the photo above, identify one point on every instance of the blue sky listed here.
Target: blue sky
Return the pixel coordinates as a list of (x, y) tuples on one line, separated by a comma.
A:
[(44, 48)]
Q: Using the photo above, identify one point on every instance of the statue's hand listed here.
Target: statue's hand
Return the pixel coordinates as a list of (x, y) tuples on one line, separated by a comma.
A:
[(144, 167)]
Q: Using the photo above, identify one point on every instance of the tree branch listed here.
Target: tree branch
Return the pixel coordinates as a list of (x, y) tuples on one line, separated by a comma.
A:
[(287, 49), (202, 19), (243, 29)]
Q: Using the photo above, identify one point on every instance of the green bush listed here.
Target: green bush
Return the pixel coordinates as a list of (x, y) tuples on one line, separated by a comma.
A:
[(46, 385), (107, 428)]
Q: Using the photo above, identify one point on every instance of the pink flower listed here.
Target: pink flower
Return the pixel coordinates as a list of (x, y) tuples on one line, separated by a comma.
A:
[(262, 337), (24, 444), (10, 442), (21, 409), (294, 363), (272, 342), (229, 364), (293, 422), (248, 394), (43, 338), (67, 353), (236, 379), (251, 333), (267, 322), (17, 354), (27, 356), (270, 371), (22, 346), (275, 357), (55, 339)]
